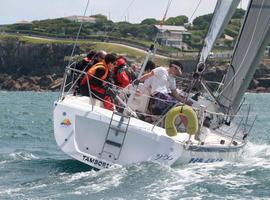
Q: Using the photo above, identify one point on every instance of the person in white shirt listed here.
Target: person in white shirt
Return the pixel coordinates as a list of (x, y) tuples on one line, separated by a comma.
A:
[(163, 87), (146, 87)]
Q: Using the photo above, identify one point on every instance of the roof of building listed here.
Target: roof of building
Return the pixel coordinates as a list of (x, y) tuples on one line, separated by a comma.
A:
[(171, 28), (23, 22), (80, 18)]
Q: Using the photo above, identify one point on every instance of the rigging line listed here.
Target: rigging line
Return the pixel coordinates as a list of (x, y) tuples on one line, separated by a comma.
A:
[(161, 24), (107, 33), (118, 88), (151, 50), (249, 46), (199, 52), (130, 4), (165, 14), (78, 33), (198, 58), (203, 42), (195, 10)]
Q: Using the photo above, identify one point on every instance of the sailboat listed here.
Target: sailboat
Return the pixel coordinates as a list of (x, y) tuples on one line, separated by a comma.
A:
[(103, 138)]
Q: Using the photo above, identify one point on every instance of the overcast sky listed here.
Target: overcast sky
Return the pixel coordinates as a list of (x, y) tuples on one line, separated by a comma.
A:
[(134, 11)]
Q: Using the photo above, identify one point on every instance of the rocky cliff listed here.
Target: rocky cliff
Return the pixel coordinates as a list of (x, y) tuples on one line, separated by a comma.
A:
[(40, 67), (28, 66)]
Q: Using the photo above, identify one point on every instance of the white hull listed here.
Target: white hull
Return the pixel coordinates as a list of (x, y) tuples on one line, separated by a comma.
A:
[(81, 131)]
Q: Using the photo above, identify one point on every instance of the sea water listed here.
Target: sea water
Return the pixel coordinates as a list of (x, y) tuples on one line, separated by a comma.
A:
[(33, 167)]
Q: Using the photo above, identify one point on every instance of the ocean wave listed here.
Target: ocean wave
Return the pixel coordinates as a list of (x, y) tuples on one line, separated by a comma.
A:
[(16, 156), (257, 150), (96, 181), (23, 156), (12, 192)]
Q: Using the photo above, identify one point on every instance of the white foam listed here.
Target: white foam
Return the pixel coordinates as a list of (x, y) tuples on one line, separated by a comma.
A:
[(256, 155), (23, 156), (104, 179), (10, 191), (74, 177)]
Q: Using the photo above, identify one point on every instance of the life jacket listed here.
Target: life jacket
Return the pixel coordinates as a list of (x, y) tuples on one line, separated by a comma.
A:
[(122, 76), (95, 83), (82, 64)]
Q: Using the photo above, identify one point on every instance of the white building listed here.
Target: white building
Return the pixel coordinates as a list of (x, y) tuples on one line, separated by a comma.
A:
[(77, 18), (23, 22), (173, 36)]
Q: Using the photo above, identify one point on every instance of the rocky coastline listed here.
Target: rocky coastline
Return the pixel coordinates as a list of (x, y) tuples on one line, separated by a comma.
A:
[(40, 67)]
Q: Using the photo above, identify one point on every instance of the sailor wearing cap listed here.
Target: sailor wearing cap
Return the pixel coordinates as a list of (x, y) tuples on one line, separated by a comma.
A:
[(163, 87)]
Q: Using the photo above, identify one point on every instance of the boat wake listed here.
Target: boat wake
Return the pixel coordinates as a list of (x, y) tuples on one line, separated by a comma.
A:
[(211, 180)]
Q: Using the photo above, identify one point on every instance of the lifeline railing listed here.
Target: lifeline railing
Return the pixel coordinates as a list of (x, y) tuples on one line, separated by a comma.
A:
[(244, 126), (72, 84), (242, 123)]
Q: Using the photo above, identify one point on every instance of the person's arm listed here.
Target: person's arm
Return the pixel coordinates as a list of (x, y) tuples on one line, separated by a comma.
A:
[(180, 98), (177, 96), (146, 76)]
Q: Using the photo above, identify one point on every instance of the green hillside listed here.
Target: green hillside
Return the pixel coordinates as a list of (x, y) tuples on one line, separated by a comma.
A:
[(142, 34)]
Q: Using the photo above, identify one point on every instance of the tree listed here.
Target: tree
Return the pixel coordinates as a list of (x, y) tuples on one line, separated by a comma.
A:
[(100, 17), (177, 21), (202, 22), (150, 21), (239, 14)]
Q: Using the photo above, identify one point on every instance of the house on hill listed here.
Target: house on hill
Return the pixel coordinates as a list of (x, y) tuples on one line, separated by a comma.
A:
[(77, 18), (173, 36), (23, 22)]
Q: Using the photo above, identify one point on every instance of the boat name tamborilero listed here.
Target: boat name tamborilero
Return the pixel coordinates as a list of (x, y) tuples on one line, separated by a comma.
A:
[(201, 160), (96, 162)]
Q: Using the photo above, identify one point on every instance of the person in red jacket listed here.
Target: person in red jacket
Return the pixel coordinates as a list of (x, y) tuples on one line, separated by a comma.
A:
[(99, 76), (121, 73), (81, 65)]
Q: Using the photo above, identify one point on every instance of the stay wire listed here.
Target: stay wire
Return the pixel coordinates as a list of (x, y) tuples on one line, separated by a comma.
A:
[(247, 50), (199, 80), (78, 33), (165, 14), (195, 10), (114, 28), (161, 24)]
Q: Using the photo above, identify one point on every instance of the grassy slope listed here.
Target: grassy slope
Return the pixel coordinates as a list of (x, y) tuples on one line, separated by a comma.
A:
[(131, 53)]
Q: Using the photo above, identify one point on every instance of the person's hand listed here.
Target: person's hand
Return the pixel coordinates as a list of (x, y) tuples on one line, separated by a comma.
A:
[(138, 93), (189, 103), (136, 82), (110, 92)]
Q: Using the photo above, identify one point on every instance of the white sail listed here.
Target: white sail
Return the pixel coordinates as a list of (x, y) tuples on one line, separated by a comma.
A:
[(223, 12), (252, 41)]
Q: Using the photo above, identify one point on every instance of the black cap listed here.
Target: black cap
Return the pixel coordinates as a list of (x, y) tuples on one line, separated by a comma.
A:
[(177, 64)]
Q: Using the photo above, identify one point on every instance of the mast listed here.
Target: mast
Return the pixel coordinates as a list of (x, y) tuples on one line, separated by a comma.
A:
[(132, 95), (222, 14), (250, 46)]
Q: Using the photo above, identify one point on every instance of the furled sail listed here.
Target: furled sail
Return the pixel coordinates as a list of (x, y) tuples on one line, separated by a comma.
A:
[(250, 46), (222, 14)]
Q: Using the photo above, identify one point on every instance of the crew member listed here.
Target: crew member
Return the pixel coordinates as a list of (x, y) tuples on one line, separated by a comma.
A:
[(121, 74), (81, 65), (163, 87), (98, 76)]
